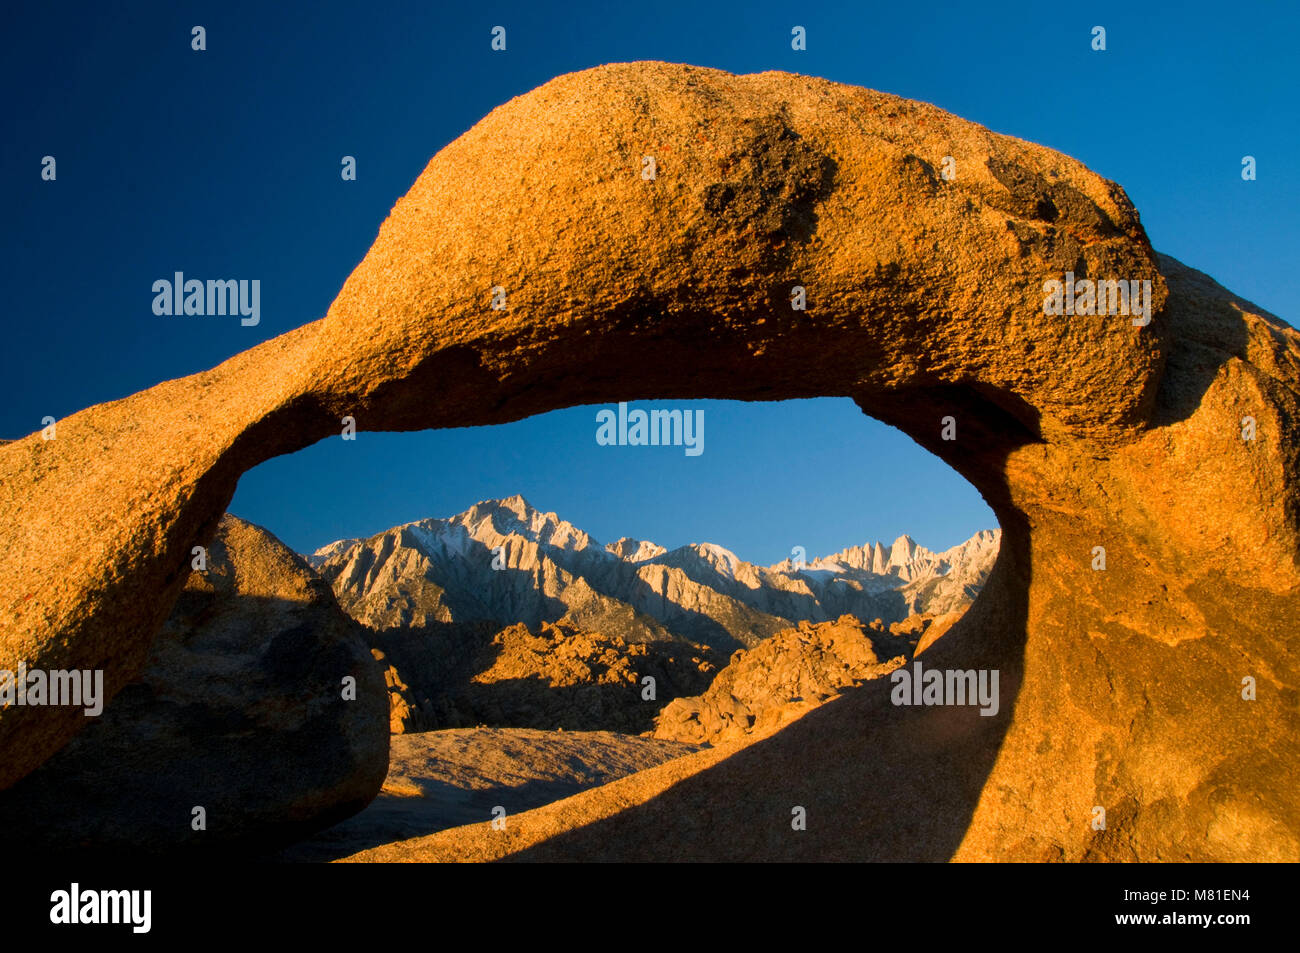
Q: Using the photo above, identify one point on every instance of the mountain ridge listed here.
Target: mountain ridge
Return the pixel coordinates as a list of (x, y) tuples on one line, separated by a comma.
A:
[(632, 549), (506, 561)]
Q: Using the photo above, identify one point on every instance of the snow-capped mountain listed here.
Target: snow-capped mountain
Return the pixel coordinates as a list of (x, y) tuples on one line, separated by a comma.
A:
[(507, 562)]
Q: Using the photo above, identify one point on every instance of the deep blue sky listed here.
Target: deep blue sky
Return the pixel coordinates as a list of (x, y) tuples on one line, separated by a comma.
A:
[(225, 163)]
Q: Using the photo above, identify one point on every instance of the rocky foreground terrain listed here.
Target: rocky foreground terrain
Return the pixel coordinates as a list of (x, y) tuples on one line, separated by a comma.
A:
[(556, 677), (1145, 472), (792, 672), (446, 779)]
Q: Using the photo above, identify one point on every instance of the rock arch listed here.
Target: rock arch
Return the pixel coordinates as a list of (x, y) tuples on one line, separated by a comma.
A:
[(925, 299)]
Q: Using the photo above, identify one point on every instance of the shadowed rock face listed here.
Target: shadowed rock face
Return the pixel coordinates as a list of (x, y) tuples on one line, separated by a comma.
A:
[(241, 710), (1120, 688)]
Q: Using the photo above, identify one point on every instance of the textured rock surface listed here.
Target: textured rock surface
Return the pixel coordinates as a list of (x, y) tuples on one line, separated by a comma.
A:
[(794, 670), (239, 710), (1120, 688)]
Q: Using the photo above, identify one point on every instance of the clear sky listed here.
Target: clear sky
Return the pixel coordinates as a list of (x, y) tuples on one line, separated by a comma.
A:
[(225, 163)]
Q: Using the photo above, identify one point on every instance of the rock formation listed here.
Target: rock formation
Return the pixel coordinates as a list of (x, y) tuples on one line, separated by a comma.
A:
[(782, 677), (403, 706), (240, 710), (1121, 688), (461, 676)]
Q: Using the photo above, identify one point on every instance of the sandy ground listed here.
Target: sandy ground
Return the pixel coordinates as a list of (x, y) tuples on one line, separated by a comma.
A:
[(442, 779)]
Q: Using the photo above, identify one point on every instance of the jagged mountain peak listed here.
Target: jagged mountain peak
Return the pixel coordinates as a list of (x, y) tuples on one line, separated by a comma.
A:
[(634, 550), (514, 505), (515, 516), (487, 522), (903, 551)]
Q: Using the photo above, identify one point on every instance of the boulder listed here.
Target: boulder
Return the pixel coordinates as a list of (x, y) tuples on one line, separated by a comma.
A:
[(240, 711)]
